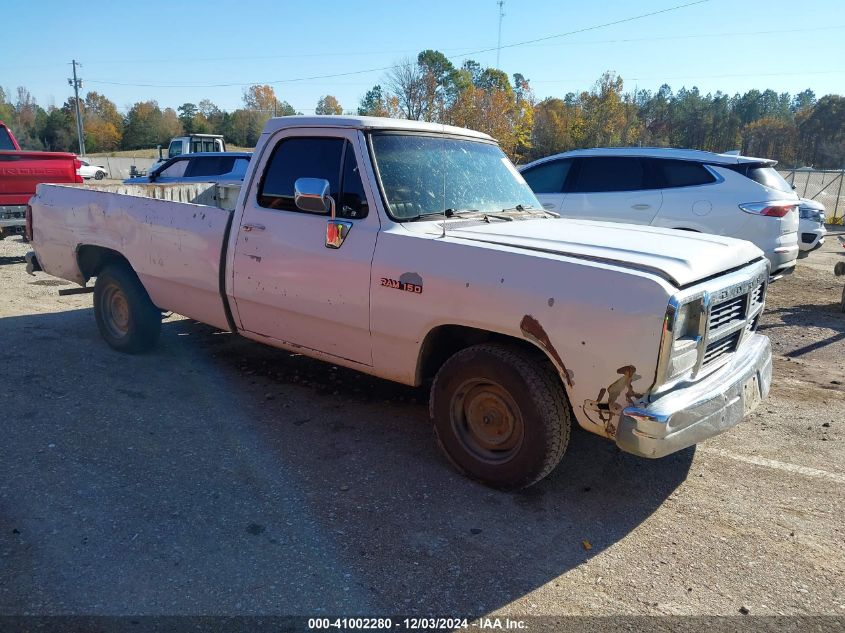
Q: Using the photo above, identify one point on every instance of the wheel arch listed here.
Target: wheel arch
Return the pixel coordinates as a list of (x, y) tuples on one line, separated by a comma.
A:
[(444, 341), (91, 259)]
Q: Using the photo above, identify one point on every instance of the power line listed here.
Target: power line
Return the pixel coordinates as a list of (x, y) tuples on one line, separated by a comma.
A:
[(385, 68), (662, 78), (442, 50)]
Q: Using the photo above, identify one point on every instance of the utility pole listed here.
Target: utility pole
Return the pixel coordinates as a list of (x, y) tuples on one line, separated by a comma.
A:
[(77, 84), (501, 4)]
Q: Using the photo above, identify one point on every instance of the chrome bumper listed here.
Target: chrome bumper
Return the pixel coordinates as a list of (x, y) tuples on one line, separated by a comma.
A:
[(688, 415)]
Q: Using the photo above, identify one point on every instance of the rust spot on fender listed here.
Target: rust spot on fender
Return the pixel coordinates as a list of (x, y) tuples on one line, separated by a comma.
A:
[(532, 329), (607, 405)]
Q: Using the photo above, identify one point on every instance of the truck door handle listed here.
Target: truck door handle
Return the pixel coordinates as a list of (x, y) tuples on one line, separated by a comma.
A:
[(641, 207), (253, 227), (549, 206)]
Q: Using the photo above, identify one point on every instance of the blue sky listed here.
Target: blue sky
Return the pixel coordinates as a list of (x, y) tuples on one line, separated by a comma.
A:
[(153, 46)]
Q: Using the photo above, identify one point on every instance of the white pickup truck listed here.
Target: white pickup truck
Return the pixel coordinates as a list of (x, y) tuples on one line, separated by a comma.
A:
[(417, 253)]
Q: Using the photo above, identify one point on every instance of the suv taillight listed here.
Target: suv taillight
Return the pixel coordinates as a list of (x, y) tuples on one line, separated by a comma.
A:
[(27, 229), (77, 165), (770, 209)]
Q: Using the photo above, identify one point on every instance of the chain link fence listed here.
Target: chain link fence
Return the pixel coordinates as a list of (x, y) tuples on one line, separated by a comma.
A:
[(822, 185)]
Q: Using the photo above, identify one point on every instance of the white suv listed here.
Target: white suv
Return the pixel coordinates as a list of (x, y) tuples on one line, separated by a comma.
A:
[(725, 194)]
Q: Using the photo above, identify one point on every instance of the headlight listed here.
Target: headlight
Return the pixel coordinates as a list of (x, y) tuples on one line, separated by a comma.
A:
[(686, 336)]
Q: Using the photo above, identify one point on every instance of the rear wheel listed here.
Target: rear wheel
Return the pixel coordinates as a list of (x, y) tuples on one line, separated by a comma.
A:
[(126, 318), (500, 414)]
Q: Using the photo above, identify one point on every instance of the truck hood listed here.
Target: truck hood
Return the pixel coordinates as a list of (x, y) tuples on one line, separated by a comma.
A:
[(682, 257)]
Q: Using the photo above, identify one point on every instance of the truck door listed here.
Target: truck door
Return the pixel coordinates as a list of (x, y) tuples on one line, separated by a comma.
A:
[(286, 284)]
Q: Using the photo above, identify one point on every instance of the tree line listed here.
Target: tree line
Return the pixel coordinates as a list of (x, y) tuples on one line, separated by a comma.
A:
[(797, 130), (144, 125)]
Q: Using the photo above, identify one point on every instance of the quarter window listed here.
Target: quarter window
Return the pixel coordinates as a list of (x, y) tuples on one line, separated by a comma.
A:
[(682, 173), (605, 174), (353, 199), (548, 177)]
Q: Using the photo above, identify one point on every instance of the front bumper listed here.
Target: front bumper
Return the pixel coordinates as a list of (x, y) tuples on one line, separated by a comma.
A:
[(782, 258), (691, 414), (810, 239)]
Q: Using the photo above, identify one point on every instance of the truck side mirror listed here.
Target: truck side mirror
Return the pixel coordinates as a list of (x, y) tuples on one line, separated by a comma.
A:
[(160, 157), (312, 195)]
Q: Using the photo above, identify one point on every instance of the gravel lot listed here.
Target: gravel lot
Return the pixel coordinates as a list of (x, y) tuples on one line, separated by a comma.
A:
[(217, 476)]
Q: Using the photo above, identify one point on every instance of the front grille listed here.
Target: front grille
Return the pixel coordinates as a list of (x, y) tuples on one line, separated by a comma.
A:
[(808, 238), (757, 295), (721, 347), (729, 321), (726, 312)]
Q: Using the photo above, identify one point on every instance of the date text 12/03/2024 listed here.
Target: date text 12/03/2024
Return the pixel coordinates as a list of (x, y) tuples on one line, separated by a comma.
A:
[(419, 623)]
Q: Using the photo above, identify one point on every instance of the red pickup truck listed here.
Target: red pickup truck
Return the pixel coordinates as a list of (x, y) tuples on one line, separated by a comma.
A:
[(21, 172)]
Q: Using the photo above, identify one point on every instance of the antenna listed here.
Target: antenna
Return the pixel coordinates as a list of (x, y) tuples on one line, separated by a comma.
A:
[(501, 4), (443, 158)]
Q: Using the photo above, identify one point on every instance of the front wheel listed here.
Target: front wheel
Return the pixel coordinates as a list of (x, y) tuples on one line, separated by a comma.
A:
[(99, 175), (500, 414), (126, 318)]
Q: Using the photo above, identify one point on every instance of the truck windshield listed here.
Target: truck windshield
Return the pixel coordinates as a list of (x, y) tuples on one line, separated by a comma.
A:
[(426, 175), (175, 149)]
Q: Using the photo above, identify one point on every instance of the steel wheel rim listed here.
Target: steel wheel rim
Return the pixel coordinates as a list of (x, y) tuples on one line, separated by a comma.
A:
[(115, 310), (487, 421)]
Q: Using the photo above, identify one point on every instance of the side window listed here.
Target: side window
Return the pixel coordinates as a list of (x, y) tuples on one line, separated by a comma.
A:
[(210, 166), (175, 170), (296, 158), (175, 149), (548, 177), (610, 173), (196, 146), (353, 199), (682, 173)]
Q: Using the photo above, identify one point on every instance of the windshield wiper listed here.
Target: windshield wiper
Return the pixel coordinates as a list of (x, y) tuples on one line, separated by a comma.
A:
[(463, 213), (449, 213), (521, 207)]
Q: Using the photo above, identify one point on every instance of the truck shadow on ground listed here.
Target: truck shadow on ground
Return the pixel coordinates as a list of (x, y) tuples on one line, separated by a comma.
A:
[(823, 315), (218, 475)]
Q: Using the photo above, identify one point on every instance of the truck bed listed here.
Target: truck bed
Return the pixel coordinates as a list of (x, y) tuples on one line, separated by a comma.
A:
[(172, 235)]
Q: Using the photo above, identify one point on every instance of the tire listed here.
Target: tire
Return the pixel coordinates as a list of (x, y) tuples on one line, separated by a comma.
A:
[(126, 318), (500, 414), (99, 175)]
